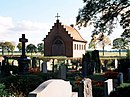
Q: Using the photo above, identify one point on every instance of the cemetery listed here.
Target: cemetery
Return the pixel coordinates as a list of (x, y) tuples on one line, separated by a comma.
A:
[(89, 76)]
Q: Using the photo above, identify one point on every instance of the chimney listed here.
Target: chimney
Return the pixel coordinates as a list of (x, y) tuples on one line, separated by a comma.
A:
[(72, 25)]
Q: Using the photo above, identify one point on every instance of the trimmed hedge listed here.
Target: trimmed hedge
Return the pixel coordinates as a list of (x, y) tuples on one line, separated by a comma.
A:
[(121, 91), (23, 84)]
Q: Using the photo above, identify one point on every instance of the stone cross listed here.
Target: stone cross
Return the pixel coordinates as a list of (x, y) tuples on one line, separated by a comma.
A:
[(23, 40)]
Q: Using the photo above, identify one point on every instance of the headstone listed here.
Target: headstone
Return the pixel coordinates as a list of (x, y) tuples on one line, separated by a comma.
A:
[(84, 69), (108, 87), (120, 78), (116, 63), (23, 61), (85, 89), (85, 62), (23, 40), (34, 62), (95, 57), (44, 67), (62, 72), (53, 88), (128, 73), (5, 68)]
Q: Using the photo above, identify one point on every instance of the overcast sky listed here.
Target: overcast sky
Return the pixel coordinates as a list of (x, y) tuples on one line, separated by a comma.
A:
[(35, 18)]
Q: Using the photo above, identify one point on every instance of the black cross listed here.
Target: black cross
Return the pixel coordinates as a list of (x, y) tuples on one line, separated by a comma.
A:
[(23, 40), (57, 16)]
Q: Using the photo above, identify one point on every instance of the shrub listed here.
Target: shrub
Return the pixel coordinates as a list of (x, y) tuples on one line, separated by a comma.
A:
[(21, 84), (110, 75), (4, 92), (98, 91), (122, 91)]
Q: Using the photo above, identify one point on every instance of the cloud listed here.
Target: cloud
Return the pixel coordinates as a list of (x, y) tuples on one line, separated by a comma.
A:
[(29, 26), (11, 30), (5, 23)]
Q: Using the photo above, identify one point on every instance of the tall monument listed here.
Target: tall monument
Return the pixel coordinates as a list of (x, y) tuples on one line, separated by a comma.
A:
[(23, 61)]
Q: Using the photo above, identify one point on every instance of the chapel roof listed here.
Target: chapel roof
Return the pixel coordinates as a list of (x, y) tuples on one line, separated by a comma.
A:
[(74, 33)]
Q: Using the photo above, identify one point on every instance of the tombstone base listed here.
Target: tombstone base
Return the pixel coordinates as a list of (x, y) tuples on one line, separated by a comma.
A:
[(23, 65)]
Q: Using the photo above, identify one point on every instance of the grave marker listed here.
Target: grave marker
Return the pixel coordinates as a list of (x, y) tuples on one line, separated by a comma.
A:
[(120, 78), (44, 67), (62, 72), (23, 40), (128, 73), (23, 61), (85, 89), (53, 88), (108, 87)]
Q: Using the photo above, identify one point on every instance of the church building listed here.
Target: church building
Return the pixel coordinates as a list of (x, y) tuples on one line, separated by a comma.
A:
[(64, 40)]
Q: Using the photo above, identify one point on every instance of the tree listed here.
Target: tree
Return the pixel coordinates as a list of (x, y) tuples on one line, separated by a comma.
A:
[(126, 36), (2, 45), (104, 14), (40, 48), (101, 40), (120, 43), (31, 48), (10, 46), (92, 43), (19, 46)]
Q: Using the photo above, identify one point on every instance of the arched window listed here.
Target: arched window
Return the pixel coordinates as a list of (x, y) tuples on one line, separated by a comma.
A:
[(58, 48)]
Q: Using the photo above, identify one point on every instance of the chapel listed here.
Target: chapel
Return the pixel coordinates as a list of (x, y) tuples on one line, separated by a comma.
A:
[(63, 40)]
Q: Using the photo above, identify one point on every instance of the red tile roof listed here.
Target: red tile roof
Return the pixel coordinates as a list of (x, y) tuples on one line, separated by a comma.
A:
[(74, 33)]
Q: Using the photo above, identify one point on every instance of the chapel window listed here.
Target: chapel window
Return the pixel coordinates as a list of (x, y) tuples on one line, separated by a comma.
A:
[(74, 46)]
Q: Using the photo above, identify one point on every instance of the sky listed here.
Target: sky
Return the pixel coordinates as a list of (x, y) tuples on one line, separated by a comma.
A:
[(35, 18)]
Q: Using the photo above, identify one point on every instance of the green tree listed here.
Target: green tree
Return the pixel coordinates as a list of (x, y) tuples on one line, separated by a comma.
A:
[(40, 48), (126, 36), (19, 46), (104, 14), (2, 45), (31, 48), (120, 43), (9, 46)]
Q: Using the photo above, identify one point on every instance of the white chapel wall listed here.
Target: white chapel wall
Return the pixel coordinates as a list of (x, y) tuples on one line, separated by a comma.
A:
[(79, 49)]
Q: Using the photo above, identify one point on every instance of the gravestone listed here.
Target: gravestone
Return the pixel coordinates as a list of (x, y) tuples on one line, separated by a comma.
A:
[(120, 78), (23, 61), (128, 73), (62, 72), (116, 63), (1, 59), (85, 62), (85, 89), (53, 88), (23, 40), (5, 69), (34, 62), (108, 87), (44, 67)]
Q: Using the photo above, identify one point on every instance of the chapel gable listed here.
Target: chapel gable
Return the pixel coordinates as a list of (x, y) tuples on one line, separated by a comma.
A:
[(61, 39)]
